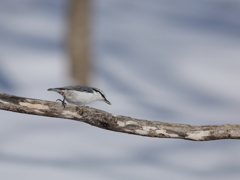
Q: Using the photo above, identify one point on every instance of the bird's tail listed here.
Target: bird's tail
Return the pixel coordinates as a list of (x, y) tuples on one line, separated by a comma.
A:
[(53, 89)]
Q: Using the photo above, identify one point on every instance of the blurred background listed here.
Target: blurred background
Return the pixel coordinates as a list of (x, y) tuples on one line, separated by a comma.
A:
[(164, 60)]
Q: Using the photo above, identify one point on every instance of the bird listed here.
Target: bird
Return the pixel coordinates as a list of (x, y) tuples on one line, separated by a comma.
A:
[(80, 95)]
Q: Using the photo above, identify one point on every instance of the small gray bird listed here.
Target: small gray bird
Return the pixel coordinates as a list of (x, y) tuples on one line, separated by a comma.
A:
[(80, 95)]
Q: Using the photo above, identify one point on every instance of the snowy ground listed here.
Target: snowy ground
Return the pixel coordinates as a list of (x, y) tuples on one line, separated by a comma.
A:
[(166, 60)]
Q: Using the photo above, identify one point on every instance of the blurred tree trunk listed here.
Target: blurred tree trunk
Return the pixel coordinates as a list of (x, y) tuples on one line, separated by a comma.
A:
[(79, 40)]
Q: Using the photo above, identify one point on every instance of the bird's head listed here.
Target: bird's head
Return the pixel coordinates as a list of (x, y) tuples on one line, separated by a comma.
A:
[(101, 96)]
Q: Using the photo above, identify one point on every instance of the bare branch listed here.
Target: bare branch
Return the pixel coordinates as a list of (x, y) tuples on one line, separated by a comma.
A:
[(122, 124)]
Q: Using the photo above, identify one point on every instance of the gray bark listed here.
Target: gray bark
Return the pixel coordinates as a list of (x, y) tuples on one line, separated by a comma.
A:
[(117, 123)]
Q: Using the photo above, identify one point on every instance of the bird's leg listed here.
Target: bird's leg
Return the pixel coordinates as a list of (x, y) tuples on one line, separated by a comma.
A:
[(63, 101)]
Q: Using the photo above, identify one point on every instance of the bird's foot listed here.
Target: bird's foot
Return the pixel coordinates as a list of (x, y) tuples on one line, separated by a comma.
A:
[(63, 102)]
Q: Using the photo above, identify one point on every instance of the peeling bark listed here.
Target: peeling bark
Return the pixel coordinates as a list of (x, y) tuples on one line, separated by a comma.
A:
[(122, 124)]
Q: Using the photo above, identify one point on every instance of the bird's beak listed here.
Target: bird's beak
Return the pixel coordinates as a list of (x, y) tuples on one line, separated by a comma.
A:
[(107, 102)]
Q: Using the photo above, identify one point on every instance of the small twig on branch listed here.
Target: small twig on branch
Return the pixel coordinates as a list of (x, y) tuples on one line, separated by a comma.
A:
[(122, 124)]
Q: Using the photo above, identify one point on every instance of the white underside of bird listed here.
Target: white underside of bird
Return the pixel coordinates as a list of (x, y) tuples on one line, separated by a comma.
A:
[(82, 98)]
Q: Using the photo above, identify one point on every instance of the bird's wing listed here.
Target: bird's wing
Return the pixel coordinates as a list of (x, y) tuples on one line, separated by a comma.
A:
[(79, 88)]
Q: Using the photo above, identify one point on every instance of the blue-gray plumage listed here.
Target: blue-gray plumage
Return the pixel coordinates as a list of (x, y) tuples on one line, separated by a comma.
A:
[(80, 95)]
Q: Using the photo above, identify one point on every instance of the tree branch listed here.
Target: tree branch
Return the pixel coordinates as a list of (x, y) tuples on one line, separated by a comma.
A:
[(122, 124)]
